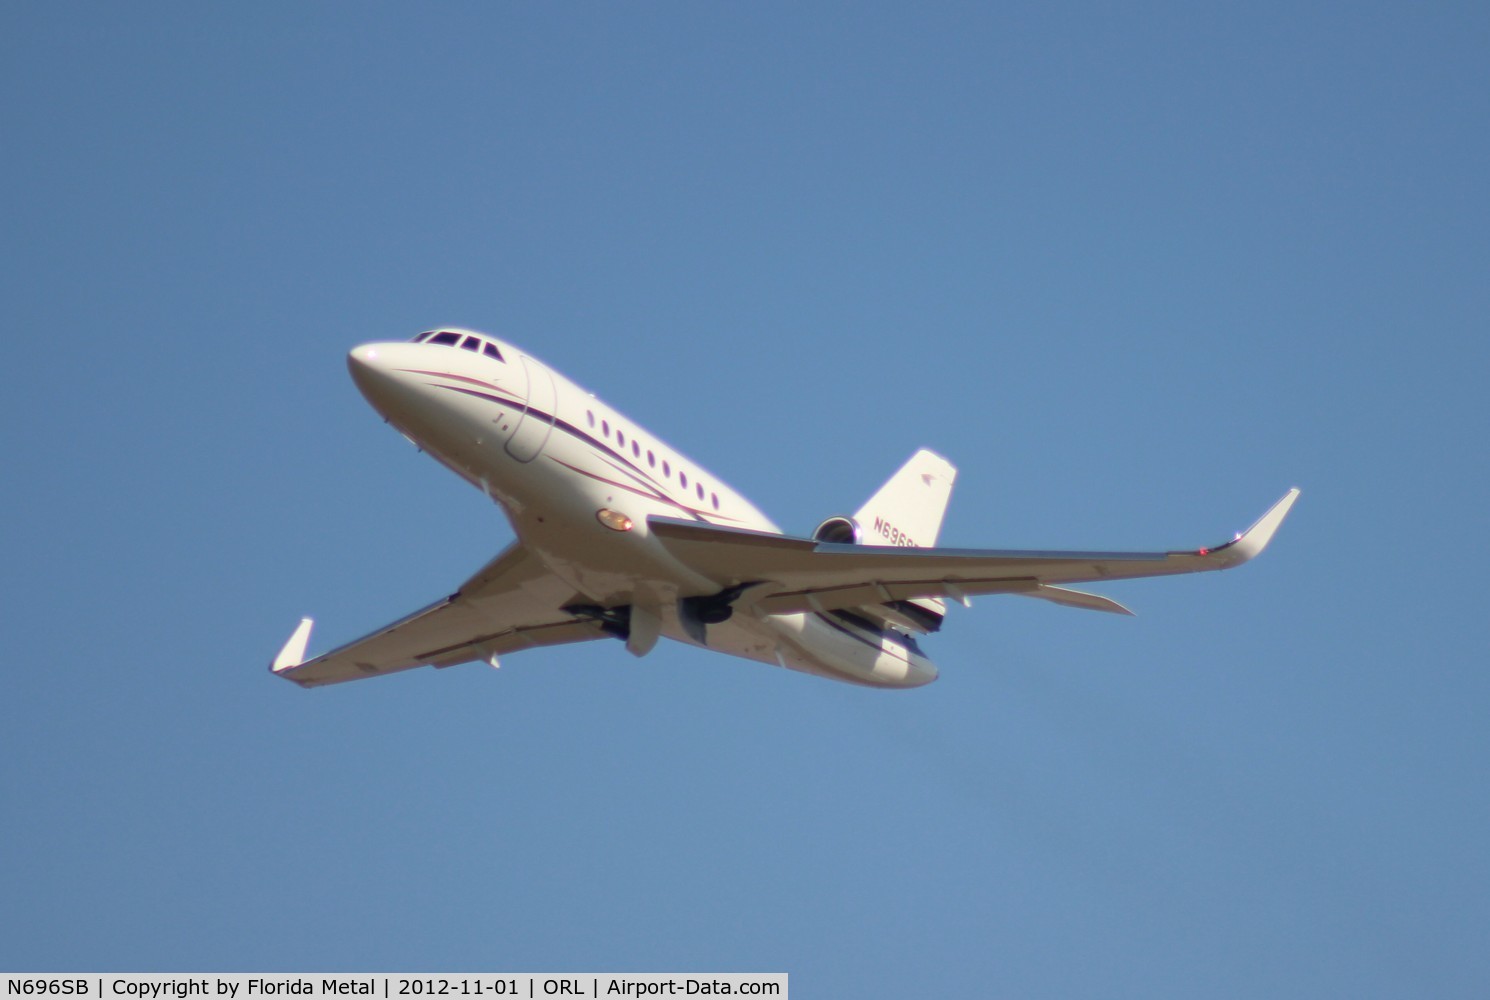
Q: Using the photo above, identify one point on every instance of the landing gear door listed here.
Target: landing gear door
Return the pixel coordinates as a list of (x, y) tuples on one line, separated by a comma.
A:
[(536, 422)]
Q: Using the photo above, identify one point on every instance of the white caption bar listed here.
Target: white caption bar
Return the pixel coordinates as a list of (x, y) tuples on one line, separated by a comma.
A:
[(389, 986)]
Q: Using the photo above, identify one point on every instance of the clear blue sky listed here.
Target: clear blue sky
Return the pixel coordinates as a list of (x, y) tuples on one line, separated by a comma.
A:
[(1136, 270)]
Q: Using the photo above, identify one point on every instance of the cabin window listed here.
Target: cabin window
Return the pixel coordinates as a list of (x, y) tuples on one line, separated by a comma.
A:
[(605, 428), (715, 497), (651, 460), (636, 449), (470, 344), (491, 351), (590, 417), (699, 487), (446, 337), (620, 437), (666, 469), (683, 478)]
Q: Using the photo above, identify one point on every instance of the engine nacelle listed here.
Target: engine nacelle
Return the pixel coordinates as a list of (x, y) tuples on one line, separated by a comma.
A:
[(838, 530)]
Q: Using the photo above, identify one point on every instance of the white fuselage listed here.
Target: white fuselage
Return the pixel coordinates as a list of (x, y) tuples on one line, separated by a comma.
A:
[(562, 464)]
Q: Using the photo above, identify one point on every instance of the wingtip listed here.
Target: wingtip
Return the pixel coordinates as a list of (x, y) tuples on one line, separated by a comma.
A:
[(293, 653), (1256, 538)]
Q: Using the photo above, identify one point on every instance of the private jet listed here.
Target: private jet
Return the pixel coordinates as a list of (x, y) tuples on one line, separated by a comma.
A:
[(620, 536)]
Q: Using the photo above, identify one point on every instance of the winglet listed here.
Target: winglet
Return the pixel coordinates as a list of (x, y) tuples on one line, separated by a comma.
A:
[(293, 653), (1252, 541)]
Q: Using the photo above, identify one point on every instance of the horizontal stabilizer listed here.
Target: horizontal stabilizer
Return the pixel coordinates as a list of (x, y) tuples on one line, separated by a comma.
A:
[(1075, 599)]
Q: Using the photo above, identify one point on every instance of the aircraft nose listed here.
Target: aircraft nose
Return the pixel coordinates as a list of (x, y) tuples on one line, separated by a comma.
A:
[(373, 372), (362, 358)]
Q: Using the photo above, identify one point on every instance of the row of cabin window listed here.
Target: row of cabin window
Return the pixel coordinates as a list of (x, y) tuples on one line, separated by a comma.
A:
[(636, 452), (450, 339)]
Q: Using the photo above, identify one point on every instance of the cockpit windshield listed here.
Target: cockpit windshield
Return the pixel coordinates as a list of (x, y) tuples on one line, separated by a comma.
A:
[(469, 342)]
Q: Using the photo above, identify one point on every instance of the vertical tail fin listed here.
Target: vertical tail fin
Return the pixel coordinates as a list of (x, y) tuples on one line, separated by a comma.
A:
[(908, 511)]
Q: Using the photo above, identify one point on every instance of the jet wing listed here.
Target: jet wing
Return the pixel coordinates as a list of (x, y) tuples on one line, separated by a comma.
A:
[(513, 603), (780, 574)]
